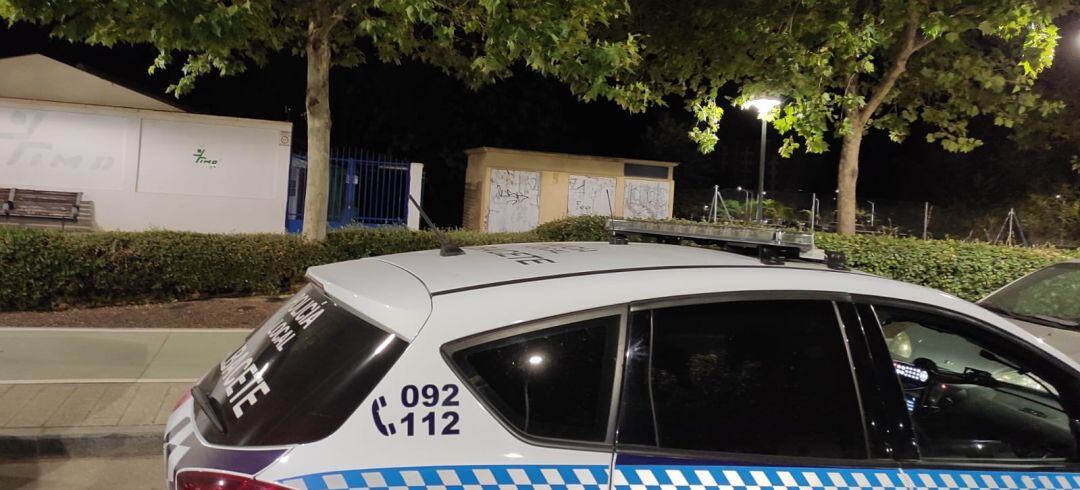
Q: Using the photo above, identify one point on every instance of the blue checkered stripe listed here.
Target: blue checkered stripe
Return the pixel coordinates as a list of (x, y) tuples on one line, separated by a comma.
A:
[(650, 477), (518, 477), (963, 480), (677, 477)]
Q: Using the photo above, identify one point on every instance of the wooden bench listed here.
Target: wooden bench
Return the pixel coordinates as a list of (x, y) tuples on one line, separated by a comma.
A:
[(48, 209)]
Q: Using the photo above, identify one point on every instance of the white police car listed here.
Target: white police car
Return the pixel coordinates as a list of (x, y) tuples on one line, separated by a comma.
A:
[(594, 366)]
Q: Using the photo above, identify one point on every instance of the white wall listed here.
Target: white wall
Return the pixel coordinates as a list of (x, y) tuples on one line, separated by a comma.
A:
[(139, 167)]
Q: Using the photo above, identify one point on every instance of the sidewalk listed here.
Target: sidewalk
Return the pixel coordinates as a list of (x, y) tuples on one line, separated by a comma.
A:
[(98, 391)]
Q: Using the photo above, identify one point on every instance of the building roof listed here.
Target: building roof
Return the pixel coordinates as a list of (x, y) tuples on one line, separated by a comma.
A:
[(39, 77), (489, 149)]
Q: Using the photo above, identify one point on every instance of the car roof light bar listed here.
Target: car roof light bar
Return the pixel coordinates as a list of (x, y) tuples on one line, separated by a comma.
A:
[(771, 245)]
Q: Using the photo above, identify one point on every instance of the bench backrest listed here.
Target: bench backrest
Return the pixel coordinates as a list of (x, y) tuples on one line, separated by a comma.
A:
[(27, 203)]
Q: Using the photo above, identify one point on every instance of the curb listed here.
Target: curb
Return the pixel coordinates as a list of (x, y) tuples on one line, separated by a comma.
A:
[(76, 442)]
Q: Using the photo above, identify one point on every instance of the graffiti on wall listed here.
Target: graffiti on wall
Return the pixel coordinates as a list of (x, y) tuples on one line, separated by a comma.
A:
[(646, 199), (60, 149), (590, 195), (514, 200)]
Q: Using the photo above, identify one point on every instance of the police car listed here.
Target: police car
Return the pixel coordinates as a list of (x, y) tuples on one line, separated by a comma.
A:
[(640, 366)]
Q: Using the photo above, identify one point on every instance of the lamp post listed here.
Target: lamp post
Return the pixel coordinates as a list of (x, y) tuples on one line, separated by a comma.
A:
[(871, 214), (763, 106), (746, 200)]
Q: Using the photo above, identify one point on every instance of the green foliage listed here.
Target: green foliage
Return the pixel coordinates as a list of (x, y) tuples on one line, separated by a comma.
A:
[(48, 269), (969, 270), (840, 65), (43, 269), (575, 229), (1052, 218), (479, 41)]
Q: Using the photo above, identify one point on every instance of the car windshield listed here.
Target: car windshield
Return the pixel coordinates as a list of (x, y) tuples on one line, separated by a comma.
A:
[(910, 342), (1050, 296)]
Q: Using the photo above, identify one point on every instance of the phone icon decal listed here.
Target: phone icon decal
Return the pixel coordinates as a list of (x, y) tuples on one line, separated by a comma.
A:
[(384, 429)]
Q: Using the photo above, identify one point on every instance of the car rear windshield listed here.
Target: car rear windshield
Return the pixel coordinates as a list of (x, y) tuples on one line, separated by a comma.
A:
[(296, 378)]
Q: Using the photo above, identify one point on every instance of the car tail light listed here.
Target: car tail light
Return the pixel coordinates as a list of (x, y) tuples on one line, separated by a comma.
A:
[(209, 480)]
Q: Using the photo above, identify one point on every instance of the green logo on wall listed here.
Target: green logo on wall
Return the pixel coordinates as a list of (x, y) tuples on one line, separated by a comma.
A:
[(200, 158)]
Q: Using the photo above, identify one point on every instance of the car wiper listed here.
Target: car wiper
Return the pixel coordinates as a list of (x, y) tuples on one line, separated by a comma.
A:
[(1058, 321), (208, 407), (995, 308), (1049, 320)]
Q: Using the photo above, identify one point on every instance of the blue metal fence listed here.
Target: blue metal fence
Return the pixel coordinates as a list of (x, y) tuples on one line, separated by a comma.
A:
[(366, 189)]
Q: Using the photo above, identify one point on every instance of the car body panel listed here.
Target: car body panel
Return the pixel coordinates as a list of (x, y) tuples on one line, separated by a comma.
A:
[(431, 300), (359, 447), (496, 264), (378, 292), (185, 449), (1065, 340)]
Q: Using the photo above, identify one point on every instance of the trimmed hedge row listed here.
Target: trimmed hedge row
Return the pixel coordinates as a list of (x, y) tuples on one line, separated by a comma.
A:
[(49, 269), (970, 270)]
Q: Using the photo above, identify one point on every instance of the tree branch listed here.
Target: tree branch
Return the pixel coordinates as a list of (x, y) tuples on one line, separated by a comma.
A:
[(922, 43), (908, 46)]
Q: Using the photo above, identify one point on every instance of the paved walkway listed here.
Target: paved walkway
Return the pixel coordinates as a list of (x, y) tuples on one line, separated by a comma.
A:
[(93, 355), (75, 384)]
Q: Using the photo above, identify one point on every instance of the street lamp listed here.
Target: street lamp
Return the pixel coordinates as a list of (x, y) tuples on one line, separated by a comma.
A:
[(763, 106), (746, 201), (871, 214)]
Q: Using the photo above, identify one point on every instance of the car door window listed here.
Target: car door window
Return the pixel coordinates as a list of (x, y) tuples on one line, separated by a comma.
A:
[(553, 383), (968, 400), (756, 377)]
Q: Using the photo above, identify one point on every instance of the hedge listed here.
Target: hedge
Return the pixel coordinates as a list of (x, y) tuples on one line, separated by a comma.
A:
[(49, 269), (970, 270), (42, 270)]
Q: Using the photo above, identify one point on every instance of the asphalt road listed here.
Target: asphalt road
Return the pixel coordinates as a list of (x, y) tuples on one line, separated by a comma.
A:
[(131, 473)]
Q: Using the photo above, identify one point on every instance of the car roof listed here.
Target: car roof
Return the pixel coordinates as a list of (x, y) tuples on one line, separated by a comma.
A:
[(397, 291), (494, 265)]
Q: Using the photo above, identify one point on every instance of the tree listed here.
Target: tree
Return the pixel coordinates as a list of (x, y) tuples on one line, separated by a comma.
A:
[(845, 67), (477, 40)]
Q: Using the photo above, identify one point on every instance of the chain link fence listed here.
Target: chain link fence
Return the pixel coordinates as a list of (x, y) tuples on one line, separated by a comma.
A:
[(805, 210)]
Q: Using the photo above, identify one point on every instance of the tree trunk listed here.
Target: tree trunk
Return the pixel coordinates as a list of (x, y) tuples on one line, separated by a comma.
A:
[(848, 174), (846, 178), (318, 125)]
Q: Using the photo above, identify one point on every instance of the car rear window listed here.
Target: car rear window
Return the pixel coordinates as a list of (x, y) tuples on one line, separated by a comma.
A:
[(296, 378), (554, 383)]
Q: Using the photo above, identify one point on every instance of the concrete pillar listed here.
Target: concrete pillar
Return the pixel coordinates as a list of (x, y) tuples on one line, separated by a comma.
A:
[(416, 186)]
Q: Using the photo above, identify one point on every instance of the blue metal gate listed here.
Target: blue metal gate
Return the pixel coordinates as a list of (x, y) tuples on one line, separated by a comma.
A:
[(366, 189)]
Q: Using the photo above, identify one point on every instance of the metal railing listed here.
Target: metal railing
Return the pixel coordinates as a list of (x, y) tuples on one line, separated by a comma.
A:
[(366, 189)]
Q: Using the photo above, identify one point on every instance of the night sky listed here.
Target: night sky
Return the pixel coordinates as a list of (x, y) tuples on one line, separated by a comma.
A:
[(416, 113)]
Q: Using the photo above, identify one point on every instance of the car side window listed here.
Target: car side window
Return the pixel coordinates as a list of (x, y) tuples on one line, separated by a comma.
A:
[(758, 377), (968, 400), (552, 383)]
